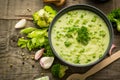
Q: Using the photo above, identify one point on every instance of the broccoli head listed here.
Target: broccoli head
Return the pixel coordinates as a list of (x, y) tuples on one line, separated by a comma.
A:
[(114, 17), (58, 70), (44, 16)]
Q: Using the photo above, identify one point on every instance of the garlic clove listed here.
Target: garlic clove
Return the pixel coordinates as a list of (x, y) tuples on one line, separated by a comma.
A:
[(111, 49), (46, 62), (39, 53), (21, 23), (43, 78)]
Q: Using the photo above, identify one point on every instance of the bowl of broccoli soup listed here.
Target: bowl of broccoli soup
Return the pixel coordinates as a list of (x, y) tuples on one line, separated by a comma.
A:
[(80, 35)]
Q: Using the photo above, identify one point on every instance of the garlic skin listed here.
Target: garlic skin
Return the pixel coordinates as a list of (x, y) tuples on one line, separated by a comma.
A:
[(39, 53), (21, 23), (46, 62)]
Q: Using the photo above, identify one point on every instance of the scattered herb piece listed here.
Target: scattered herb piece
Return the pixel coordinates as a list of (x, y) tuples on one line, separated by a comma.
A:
[(94, 19), (23, 63), (67, 43), (33, 65)]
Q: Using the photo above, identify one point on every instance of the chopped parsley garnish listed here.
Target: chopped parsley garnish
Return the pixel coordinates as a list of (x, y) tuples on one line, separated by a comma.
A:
[(83, 35)]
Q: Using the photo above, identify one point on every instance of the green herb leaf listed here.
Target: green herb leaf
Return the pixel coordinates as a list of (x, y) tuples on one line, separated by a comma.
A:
[(22, 42), (27, 30), (37, 33)]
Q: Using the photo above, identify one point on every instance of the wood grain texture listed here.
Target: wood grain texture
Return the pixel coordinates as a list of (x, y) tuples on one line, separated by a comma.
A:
[(13, 66)]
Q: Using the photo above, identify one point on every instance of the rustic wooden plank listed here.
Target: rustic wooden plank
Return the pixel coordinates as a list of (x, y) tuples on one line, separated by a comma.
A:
[(72, 2), (3, 8), (10, 8), (105, 7), (116, 2), (4, 27)]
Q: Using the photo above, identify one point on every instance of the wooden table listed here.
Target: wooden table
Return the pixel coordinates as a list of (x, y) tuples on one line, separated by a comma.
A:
[(13, 66)]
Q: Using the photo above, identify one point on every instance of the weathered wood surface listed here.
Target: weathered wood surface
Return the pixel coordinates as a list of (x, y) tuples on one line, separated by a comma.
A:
[(13, 66)]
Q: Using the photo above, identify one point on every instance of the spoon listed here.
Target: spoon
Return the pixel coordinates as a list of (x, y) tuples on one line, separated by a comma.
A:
[(95, 68)]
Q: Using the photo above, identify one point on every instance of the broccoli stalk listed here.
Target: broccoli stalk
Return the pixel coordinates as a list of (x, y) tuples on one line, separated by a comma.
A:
[(114, 17), (44, 16), (34, 39), (58, 70)]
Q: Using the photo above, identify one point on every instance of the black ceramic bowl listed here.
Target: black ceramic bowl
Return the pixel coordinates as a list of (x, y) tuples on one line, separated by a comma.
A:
[(83, 7)]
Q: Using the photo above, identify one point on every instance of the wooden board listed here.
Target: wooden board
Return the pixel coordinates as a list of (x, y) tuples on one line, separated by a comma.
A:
[(13, 66)]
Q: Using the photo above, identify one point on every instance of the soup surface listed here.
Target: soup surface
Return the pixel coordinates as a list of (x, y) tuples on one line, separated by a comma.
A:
[(80, 37)]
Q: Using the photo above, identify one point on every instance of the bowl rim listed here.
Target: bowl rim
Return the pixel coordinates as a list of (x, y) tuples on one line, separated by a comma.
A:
[(89, 8)]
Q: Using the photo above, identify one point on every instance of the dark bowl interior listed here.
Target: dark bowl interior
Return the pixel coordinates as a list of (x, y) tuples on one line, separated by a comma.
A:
[(83, 7)]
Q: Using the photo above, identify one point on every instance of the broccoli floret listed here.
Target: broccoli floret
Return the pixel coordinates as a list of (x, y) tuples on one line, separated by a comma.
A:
[(58, 70), (44, 16), (114, 17)]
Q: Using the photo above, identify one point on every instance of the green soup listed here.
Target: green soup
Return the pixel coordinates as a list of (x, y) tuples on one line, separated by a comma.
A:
[(80, 37)]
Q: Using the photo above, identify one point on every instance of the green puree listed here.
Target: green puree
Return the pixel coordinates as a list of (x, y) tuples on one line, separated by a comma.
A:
[(80, 37)]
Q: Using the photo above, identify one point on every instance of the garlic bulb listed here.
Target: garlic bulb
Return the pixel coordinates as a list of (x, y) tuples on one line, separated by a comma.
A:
[(39, 53), (46, 62), (21, 23)]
